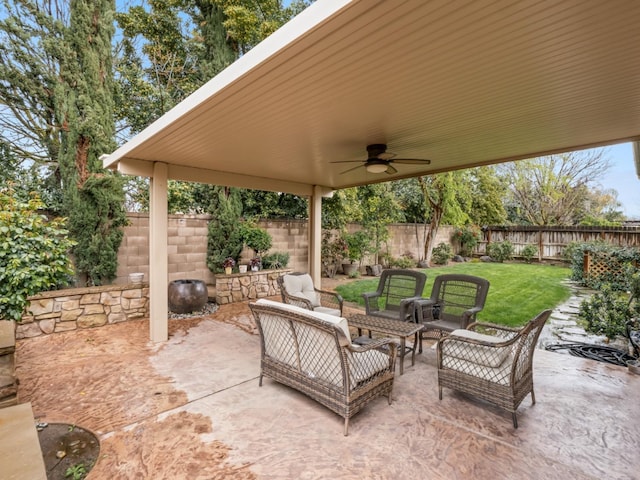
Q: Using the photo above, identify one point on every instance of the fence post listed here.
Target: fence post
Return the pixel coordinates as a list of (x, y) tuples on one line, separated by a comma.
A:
[(586, 263)]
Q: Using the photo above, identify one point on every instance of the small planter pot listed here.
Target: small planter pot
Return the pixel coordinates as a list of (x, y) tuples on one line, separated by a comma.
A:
[(227, 270), (242, 268), (255, 269), (136, 278), (349, 268)]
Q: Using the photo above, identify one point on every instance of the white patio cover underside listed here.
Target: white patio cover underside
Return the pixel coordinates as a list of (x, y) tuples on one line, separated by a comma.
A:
[(462, 83)]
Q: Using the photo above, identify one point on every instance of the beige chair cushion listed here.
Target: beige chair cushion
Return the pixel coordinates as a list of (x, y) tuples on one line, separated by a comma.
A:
[(480, 354), (301, 286)]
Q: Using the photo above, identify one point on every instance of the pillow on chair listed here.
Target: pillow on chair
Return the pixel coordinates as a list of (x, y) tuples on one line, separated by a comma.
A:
[(301, 286)]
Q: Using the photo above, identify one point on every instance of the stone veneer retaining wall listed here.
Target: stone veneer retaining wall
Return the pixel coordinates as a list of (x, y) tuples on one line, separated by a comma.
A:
[(71, 309), (237, 287)]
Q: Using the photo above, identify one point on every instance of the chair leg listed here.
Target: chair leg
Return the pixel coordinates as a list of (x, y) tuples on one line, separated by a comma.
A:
[(515, 420), (260, 382), (439, 393), (346, 426), (533, 397), (420, 350)]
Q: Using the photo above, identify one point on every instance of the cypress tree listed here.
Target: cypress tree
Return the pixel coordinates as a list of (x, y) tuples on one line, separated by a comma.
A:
[(93, 198), (225, 236)]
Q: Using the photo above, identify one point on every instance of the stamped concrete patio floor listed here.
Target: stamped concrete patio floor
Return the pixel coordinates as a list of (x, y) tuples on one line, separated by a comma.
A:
[(191, 408)]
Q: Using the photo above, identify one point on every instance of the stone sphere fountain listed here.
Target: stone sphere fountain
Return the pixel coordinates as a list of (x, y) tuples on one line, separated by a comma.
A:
[(186, 296)]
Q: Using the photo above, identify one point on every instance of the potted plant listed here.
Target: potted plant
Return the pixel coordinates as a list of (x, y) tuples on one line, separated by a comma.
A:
[(255, 263), (228, 265), (358, 244)]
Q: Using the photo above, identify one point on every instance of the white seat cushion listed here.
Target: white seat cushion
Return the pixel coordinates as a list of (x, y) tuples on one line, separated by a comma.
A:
[(301, 286), (328, 311), (483, 355)]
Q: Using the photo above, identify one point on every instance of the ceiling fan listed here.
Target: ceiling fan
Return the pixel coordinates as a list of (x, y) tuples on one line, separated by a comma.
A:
[(379, 160)]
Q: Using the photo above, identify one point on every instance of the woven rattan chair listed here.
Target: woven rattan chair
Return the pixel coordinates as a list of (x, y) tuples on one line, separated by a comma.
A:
[(497, 368), (297, 289), (454, 303), (397, 290)]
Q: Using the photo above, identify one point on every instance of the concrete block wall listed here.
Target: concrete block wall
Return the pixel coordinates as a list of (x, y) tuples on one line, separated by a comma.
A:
[(187, 245)]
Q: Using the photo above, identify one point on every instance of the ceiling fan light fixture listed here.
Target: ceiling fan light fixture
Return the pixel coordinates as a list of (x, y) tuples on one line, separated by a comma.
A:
[(377, 167)]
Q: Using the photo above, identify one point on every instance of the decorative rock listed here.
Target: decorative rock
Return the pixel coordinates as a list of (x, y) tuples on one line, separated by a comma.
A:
[(41, 307), (47, 326), (95, 320), (28, 330), (458, 258), (486, 258)]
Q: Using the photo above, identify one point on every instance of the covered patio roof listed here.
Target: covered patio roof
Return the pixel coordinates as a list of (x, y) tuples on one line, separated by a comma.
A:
[(462, 84), (459, 83)]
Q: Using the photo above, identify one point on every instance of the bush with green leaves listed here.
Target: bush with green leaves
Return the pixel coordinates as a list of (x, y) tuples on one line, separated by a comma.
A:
[(500, 251), (529, 252), (404, 261), (276, 260), (34, 254), (256, 238), (358, 245), (608, 311), (441, 253), (620, 259), (468, 237)]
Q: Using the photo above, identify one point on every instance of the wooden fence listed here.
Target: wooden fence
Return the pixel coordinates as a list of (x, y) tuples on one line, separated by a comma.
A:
[(551, 241)]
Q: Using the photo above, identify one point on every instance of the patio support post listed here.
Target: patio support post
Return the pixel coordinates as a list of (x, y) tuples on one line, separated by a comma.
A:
[(315, 234), (158, 262)]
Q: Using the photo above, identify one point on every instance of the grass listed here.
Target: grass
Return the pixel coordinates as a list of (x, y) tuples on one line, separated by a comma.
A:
[(518, 291)]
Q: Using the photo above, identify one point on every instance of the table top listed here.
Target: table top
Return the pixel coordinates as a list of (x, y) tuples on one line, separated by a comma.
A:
[(384, 325)]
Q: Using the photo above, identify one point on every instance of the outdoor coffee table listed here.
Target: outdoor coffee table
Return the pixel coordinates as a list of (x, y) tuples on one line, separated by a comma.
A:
[(386, 326)]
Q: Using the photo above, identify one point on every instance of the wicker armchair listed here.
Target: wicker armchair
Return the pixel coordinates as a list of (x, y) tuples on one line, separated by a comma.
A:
[(396, 292), (297, 289), (454, 303), (497, 368)]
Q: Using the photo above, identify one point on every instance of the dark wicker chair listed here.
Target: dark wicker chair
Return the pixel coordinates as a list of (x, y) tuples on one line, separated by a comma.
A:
[(397, 290), (454, 303), (301, 292), (497, 368)]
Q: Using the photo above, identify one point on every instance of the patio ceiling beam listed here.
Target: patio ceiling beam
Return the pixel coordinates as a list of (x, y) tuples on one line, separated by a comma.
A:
[(144, 168)]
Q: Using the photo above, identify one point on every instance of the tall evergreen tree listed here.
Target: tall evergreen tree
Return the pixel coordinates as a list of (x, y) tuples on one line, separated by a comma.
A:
[(225, 236), (93, 198)]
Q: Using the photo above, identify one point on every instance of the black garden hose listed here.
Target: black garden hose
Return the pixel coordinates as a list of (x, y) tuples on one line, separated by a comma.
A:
[(600, 353)]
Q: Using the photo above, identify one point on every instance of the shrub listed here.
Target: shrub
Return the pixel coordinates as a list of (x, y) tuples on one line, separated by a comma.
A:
[(256, 238), (500, 251), (529, 252), (468, 237), (33, 254), (333, 250), (358, 245), (276, 260), (607, 312), (441, 253), (405, 261), (619, 259)]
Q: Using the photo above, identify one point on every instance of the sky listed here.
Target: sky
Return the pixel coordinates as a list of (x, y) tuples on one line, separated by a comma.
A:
[(623, 178)]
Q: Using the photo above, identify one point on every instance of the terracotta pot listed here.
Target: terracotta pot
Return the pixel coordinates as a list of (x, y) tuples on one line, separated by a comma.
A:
[(187, 296)]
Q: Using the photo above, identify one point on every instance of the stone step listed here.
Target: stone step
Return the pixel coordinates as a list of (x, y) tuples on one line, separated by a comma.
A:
[(20, 452)]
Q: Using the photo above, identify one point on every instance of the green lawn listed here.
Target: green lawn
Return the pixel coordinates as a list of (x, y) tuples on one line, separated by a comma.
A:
[(517, 293)]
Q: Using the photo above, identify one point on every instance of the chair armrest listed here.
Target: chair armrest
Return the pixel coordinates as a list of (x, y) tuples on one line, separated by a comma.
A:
[(499, 330), (468, 316), (371, 301), (407, 308), (419, 305), (391, 349), (297, 301), (331, 299)]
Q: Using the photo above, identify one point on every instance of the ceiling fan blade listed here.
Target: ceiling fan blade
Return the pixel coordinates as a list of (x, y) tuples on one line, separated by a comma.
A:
[(412, 161), (351, 169), (390, 170), (348, 161), (386, 156)]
